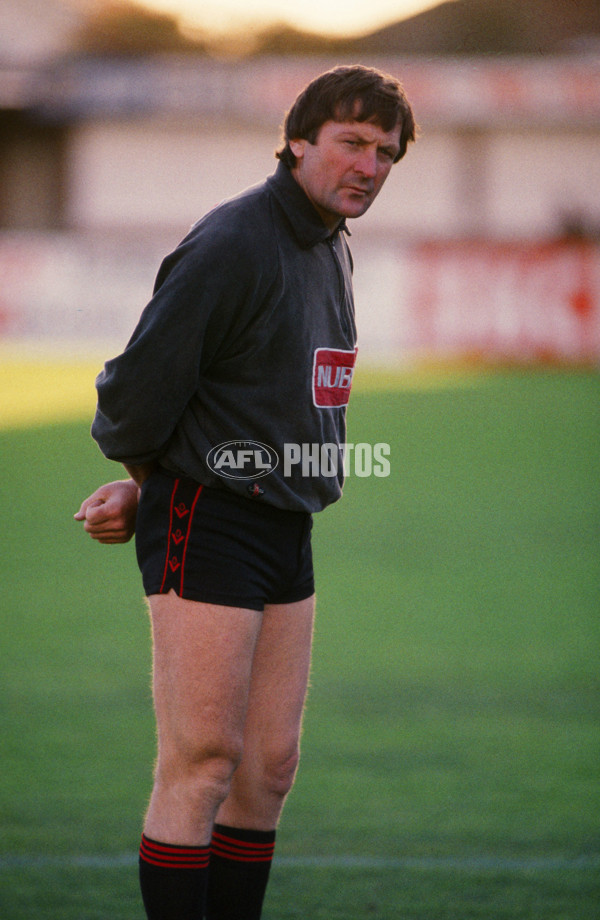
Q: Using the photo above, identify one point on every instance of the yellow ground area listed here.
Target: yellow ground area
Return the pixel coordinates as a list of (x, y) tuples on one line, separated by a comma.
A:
[(422, 375), (41, 389)]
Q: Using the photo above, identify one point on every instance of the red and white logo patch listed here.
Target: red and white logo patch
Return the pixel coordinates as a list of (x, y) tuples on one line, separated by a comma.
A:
[(332, 376)]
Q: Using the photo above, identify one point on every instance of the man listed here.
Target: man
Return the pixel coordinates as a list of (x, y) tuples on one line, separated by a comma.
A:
[(246, 348)]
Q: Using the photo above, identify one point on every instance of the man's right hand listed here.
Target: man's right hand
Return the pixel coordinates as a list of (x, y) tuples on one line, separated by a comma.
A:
[(109, 513)]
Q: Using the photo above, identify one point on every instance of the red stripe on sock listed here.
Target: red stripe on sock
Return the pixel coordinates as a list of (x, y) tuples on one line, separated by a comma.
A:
[(246, 859), (242, 844), (170, 856), (241, 850)]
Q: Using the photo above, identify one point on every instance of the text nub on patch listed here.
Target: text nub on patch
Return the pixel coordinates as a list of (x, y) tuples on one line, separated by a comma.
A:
[(333, 369)]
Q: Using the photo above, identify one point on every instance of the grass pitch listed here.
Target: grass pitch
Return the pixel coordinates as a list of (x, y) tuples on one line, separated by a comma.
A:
[(451, 745)]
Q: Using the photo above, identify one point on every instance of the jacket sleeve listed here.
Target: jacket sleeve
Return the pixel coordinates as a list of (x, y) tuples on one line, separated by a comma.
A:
[(201, 290)]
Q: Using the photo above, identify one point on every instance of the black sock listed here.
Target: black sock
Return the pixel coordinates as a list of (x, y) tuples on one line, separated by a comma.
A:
[(173, 880), (240, 861)]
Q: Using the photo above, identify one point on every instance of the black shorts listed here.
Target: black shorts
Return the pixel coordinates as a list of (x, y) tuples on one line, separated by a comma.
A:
[(214, 546)]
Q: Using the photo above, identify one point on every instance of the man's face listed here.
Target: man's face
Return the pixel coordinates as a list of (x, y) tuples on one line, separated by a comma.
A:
[(343, 171)]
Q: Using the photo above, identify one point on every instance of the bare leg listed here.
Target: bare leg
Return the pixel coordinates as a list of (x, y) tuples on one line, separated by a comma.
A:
[(273, 722), (244, 838), (203, 657)]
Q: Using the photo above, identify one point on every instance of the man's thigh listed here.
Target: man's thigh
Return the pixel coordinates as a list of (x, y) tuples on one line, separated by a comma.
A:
[(281, 669), (279, 681), (203, 659), (280, 674)]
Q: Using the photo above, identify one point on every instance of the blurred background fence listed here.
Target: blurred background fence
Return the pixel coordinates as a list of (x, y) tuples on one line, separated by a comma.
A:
[(485, 243)]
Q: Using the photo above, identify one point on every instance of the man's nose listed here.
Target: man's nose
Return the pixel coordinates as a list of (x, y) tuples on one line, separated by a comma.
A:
[(366, 164)]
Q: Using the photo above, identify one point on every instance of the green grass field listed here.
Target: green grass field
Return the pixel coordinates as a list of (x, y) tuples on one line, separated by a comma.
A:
[(451, 753)]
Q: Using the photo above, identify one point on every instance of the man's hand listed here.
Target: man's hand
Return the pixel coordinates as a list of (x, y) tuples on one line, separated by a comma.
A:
[(109, 513)]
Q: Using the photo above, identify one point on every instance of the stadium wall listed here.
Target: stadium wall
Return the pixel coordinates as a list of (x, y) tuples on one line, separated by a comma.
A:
[(492, 301), (484, 242)]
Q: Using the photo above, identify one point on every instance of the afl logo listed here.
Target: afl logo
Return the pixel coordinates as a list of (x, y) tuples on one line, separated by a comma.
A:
[(242, 459)]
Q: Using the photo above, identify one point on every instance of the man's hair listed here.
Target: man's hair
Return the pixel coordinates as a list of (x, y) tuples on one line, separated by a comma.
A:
[(348, 93)]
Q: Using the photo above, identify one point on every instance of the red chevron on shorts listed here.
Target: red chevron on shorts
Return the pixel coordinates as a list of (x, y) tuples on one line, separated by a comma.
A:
[(184, 496)]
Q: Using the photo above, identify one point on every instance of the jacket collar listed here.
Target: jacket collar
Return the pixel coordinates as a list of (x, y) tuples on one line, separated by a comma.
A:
[(305, 221)]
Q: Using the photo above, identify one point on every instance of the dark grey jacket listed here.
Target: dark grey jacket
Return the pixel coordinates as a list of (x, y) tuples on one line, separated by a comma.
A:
[(249, 337)]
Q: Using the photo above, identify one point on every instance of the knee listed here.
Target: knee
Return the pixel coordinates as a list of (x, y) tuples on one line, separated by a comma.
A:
[(203, 771), (279, 772)]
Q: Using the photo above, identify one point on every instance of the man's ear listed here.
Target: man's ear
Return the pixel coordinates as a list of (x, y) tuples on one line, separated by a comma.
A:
[(297, 147)]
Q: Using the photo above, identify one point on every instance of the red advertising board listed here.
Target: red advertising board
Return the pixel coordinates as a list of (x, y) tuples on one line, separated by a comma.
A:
[(522, 302)]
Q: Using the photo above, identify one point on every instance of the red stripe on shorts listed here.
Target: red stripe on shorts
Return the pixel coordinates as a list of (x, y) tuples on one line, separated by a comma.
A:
[(187, 536), (181, 513), (173, 494)]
